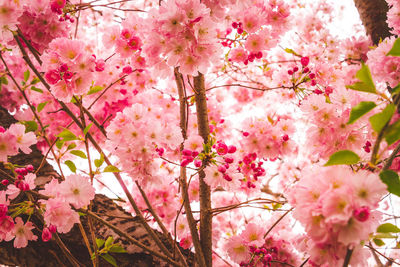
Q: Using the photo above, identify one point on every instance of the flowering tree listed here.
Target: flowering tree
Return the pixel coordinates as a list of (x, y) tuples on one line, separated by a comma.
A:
[(224, 133)]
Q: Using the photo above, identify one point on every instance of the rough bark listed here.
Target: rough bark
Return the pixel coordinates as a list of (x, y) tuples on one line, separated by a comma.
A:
[(49, 254), (205, 191), (373, 16)]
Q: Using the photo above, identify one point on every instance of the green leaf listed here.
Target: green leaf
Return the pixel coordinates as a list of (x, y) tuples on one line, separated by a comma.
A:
[(111, 168), (109, 241), (396, 89), (291, 51), (393, 133), (99, 162), (99, 242), (67, 135), (59, 144), (26, 75), (41, 106), (380, 119), (37, 89), (378, 242), (110, 259), (35, 80), (343, 157), (395, 51), (70, 165), (3, 80), (116, 248), (71, 146), (87, 128), (365, 84), (384, 235), (95, 89), (388, 228), (30, 126), (359, 110), (78, 153), (391, 179)]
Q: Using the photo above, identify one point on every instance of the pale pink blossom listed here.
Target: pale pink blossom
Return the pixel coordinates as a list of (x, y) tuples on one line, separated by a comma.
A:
[(60, 215), (77, 190), (23, 233)]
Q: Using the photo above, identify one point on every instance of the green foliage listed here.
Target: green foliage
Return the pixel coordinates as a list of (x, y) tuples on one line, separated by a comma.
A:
[(361, 109), (379, 120), (343, 157), (395, 51), (365, 84), (391, 179)]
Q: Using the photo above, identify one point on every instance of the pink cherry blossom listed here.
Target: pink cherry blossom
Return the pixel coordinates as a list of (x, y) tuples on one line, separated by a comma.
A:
[(23, 233)]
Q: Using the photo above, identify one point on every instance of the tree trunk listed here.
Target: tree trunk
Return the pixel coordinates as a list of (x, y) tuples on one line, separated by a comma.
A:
[(373, 16), (39, 253)]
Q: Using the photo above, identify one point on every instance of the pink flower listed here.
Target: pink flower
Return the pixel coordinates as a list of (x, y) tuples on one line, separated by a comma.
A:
[(8, 145), (253, 235), (23, 233), (24, 140), (52, 76), (237, 250), (46, 234), (60, 215), (77, 190), (6, 226), (254, 43)]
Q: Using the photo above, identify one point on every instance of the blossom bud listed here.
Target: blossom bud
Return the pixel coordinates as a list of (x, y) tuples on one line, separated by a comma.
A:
[(46, 235)]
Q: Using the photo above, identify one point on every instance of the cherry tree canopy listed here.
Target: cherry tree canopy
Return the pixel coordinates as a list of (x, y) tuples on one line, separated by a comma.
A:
[(199, 133)]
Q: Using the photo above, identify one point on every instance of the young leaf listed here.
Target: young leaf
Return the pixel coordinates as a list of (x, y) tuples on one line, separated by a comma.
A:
[(67, 135), (26, 75), (343, 157), (291, 51), (378, 242), (111, 168), (117, 249), (30, 126), (59, 144), (37, 89), (109, 241), (41, 106), (99, 242), (393, 133), (391, 179), (70, 165), (380, 119), (388, 228), (365, 84), (359, 110), (99, 162), (78, 153), (87, 128), (95, 89), (110, 259), (395, 51)]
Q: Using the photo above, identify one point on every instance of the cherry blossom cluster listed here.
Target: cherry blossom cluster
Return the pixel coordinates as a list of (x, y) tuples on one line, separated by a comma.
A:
[(269, 138), (126, 40), (251, 249), (184, 34), (39, 21), (252, 169), (143, 136), (327, 127), (393, 16), (378, 61), (14, 139), (257, 30), (337, 207), (69, 68)]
